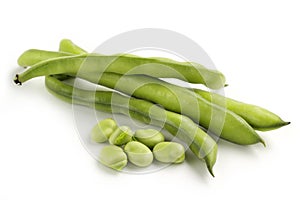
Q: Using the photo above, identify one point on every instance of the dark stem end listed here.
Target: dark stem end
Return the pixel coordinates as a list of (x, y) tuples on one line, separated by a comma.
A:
[(16, 80)]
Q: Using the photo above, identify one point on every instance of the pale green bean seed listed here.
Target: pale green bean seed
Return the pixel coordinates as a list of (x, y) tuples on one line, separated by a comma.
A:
[(103, 130), (138, 154), (149, 137), (169, 152), (122, 135), (113, 156)]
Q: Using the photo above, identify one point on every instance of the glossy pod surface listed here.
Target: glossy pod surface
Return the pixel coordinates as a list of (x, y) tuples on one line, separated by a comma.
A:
[(68, 46), (222, 122), (258, 117), (34, 56), (122, 64)]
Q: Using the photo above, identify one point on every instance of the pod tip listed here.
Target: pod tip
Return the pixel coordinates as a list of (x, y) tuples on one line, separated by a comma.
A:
[(283, 123), (16, 80), (211, 171), (263, 142)]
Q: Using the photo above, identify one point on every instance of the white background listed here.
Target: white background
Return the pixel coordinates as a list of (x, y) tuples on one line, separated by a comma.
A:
[(256, 44)]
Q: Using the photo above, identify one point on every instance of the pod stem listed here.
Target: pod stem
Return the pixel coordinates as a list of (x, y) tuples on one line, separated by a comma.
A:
[(16, 80)]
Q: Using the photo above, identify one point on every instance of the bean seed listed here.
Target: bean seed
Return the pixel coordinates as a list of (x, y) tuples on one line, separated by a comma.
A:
[(122, 135), (113, 156), (169, 152), (103, 130), (138, 154), (149, 137)]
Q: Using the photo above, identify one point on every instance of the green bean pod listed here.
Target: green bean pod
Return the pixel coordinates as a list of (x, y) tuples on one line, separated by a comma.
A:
[(122, 64), (34, 56), (223, 122), (258, 117), (68, 46), (201, 144)]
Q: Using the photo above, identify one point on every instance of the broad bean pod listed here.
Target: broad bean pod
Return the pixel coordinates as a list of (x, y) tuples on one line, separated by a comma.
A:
[(34, 56), (222, 122), (258, 117), (122, 64), (68, 46)]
